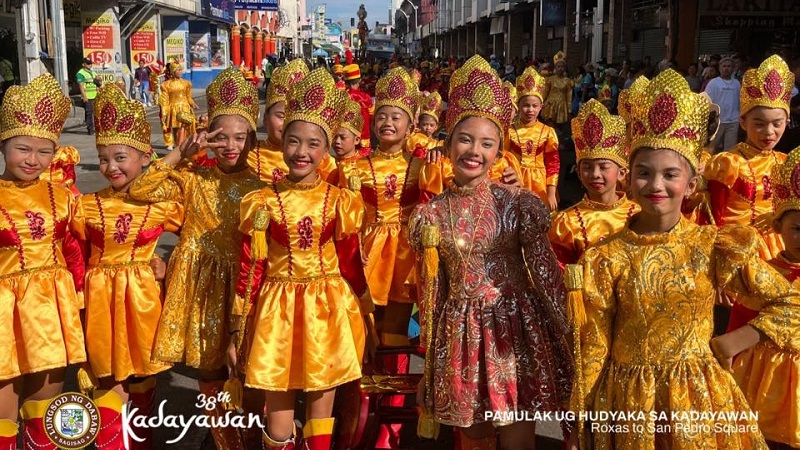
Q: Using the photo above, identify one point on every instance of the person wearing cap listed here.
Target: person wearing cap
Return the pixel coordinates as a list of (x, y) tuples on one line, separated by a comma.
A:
[(509, 74), (609, 91), (338, 74), (352, 76), (494, 64), (88, 82)]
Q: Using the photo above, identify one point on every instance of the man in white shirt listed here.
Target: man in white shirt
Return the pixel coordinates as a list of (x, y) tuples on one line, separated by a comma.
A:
[(724, 91)]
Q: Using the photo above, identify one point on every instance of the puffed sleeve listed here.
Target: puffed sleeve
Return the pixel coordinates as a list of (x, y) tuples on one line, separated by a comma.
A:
[(722, 176), (563, 240), (547, 282), (552, 161), (173, 217), (161, 183), (350, 213), (507, 159), (434, 177), (760, 287)]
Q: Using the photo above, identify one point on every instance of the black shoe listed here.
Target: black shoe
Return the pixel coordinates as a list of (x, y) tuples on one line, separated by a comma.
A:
[(91, 132)]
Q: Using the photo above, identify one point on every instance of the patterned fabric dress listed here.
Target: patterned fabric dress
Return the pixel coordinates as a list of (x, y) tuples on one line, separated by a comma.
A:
[(499, 327)]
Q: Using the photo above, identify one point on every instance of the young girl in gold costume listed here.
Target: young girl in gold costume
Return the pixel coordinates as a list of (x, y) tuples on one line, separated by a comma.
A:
[(123, 297), (41, 265), (199, 308), (177, 108), (534, 143), (558, 93), (306, 331), (642, 301), (600, 146), (494, 324)]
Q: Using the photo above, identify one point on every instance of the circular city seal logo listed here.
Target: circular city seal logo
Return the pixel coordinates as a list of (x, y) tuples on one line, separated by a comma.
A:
[(71, 421)]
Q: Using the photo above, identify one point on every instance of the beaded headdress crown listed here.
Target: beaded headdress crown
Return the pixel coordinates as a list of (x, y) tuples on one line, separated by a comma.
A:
[(786, 182), (351, 117), (512, 94), (316, 100), (624, 101), (283, 78), (396, 88), (669, 115), (431, 104), (230, 93), (118, 120), (770, 85), (530, 83), (38, 109), (598, 134), (476, 91)]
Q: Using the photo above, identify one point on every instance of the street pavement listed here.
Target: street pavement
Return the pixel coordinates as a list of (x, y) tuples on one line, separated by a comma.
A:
[(178, 387)]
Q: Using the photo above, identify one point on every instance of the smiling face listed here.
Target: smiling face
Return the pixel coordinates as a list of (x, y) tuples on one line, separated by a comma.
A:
[(473, 148), (238, 138), (273, 122), (600, 176), (660, 180), (529, 107), (120, 165), (304, 146), (26, 157), (764, 126), (392, 125)]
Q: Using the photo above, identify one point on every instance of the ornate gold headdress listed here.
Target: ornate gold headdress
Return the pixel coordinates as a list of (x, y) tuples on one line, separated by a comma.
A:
[(231, 93), (396, 88), (512, 94), (351, 117), (118, 120), (559, 57), (416, 75), (316, 100), (598, 134), (624, 101), (530, 83), (283, 78), (770, 86), (476, 91), (669, 115), (431, 104), (38, 109), (786, 181)]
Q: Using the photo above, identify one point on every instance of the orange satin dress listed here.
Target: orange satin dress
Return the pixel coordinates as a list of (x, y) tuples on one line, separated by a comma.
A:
[(390, 186), (123, 298), (418, 144), (587, 223), (266, 161), (41, 267), (536, 147), (768, 374), (435, 177), (199, 305), (308, 331), (740, 188)]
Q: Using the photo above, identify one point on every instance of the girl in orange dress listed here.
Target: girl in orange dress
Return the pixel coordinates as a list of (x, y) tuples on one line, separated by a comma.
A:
[(41, 265), (430, 107), (766, 373), (200, 304), (123, 296), (534, 143), (739, 180), (306, 331)]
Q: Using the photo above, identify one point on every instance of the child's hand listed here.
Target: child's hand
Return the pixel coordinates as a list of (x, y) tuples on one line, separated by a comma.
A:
[(727, 346), (159, 268), (435, 154), (510, 177), (552, 201), (231, 353)]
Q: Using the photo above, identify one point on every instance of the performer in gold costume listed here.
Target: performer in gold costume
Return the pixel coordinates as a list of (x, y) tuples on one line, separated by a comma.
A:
[(41, 265), (641, 303), (558, 93), (177, 108)]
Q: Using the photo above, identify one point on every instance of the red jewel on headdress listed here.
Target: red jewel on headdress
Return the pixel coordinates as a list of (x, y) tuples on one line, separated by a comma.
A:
[(314, 98), (592, 130), (795, 181), (23, 118), (530, 83), (773, 85), (611, 141), (125, 125), (753, 92), (328, 113), (247, 100), (44, 111), (579, 145), (229, 91), (662, 113), (348, 116), (684, 133), (108, 116), (396, 88)]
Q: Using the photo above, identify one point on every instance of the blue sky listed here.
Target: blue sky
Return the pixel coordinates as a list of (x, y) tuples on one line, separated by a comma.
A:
[(343, 10)]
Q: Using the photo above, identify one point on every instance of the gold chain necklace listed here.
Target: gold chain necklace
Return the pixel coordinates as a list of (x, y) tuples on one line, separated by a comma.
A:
[(458, 241)]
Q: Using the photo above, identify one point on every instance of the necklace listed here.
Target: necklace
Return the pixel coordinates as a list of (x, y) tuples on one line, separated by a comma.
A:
[(459, 242)]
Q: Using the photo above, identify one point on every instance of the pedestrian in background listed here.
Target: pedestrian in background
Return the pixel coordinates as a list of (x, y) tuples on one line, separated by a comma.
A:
[(142, 77), (88, 82)]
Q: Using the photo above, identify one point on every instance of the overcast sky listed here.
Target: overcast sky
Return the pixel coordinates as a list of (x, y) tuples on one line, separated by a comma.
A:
[(343, 10)]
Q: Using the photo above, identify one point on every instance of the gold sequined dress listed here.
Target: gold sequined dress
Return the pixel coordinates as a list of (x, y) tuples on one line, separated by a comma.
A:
[(536, 147), (645, 346), (123, 298), (558, 99), (175, 98), (499, 327), (308, 331), (201, 279), (41, 266)]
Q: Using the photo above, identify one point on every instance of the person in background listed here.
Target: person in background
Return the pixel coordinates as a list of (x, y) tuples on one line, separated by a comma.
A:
[(88, 82), (695, 81), (142, 77), (724, 91)]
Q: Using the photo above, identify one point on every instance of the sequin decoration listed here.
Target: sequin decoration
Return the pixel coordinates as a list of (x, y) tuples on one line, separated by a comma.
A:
[(662, 113), (598, 134), (773, 85), (784, 184), (315, 99), (122, 227), (476, 91), (592, 130), (306, 231), (225, 96), (37, 109), (36, 225), (283, 78), (530, 83), (121, 120), (770, 85), (396, 88)]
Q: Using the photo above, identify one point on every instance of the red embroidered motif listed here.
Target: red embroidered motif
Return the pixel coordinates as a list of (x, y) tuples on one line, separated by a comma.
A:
[(530, 83), (297, 76), (767, 182), (247, 100), (23, 118), (396, 88), (229, 91), (529, 147), (306, 233), (348, 116), (123, 226), (45, 111), (638, 128), (391, 187), (782, 191), (36, 225), (294, 104), (592, 130), (314, 98), (684, 133), (125, 125), (579, 144), (277, 175), (328, 113), (773, 85), (663, 113), (610, 141), (212, 102), (795, 181), (753, 92)]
